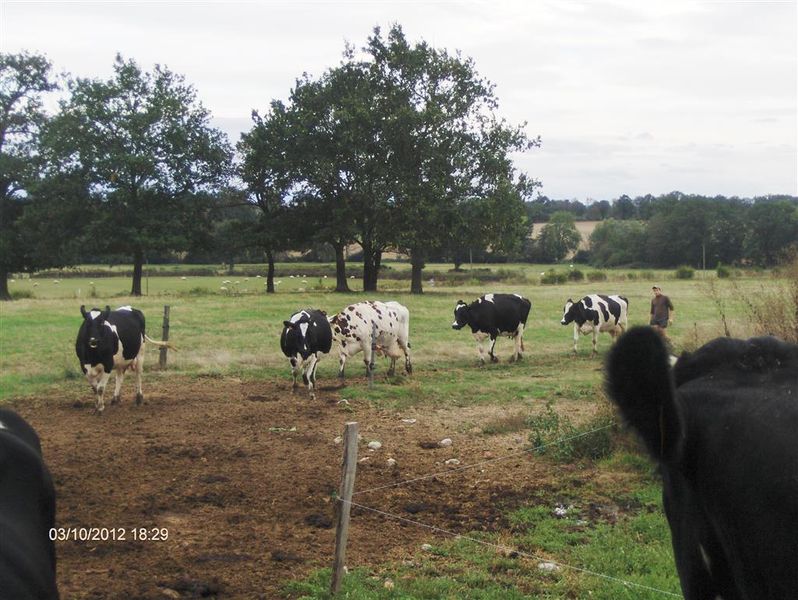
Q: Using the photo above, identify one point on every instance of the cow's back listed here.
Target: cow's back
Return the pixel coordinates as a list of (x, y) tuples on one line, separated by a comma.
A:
[(27, 513), (505, 311), (129, 324)]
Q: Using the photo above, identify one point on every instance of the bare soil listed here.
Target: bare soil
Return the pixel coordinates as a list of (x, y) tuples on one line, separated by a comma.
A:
[(243, 475)]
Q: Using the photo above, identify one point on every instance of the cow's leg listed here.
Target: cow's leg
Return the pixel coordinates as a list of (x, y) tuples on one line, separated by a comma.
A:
[(576, 337), (368, 360), (341, 363), (99, 405), (480, 339), (119, 377), (310, 375), (493, 339), (595, 339), (392, 368), (406, 349), (294, 373), (138, 365), (519, 342)]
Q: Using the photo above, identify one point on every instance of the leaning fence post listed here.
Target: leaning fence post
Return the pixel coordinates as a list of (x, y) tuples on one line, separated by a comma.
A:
[(164, 337), (344, 504)]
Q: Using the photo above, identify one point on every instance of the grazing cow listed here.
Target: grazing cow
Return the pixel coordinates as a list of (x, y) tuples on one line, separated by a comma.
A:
[(596, 313), (492, 315), (112, 341), (721, 425), (373, 328), (27, 513), (304, 335)]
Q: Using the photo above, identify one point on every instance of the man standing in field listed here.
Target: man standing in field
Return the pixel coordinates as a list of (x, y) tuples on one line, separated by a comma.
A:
[(661, 309)]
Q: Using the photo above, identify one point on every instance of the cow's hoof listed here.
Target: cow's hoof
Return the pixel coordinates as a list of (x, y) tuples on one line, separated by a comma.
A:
[(493, 359), (115, 400), (312, 396), (139, 398)]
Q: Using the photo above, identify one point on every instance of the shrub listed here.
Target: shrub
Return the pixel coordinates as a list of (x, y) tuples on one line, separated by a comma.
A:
[(556, 435), (575, 275), (553, 277), (631, 276), (21, 294), (597, 276), (685, 272), (723, 271), (649, 275)]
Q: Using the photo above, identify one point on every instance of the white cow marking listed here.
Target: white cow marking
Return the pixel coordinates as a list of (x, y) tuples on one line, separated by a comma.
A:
[(94, 314), (489, 298), (126, 307), (304, 329), (299, 316), (3, 425)]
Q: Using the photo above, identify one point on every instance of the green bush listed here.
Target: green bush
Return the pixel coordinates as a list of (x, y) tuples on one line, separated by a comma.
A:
[(685, 272), (597, 276), (723, 272), (21, 294), (631, 276), (575, 275), (553, 277), (556, 436)]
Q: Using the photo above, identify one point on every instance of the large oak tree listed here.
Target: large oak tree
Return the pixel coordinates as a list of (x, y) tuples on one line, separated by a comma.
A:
[(144, 143)]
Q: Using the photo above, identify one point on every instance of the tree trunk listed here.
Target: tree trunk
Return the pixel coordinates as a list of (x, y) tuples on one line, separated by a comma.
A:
[(138, 263), (377, 263), (4, 293), (231, 266), (270, 272), (417, 263), (340, 269), (368, 266)]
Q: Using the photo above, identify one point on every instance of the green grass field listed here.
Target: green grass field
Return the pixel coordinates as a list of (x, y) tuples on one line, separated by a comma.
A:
[(235, 332)]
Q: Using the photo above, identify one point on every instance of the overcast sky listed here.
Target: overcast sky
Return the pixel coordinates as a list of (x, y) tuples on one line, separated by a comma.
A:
[(628, 97)]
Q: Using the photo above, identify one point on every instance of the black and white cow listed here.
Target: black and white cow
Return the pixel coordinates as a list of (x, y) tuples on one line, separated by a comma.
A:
[(373, 328), (492, 315), (596, 313), (304, 335), (112, 341), (721, 425), (27, 513)]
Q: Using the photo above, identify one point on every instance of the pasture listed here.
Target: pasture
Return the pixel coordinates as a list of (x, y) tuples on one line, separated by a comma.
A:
[(242, 473)]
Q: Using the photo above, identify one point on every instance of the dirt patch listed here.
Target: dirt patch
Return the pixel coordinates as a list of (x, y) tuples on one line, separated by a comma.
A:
[(242, 476)]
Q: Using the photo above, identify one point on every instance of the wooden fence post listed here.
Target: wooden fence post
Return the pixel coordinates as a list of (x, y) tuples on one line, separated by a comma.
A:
[(164, 337), (344, 505)]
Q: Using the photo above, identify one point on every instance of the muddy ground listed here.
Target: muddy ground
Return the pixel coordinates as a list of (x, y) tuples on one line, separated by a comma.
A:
[(242, 475)]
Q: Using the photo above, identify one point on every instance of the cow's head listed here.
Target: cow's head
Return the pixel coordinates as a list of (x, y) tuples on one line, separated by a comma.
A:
[(460, 315), (296, 337), (569, 312), (96, 330)]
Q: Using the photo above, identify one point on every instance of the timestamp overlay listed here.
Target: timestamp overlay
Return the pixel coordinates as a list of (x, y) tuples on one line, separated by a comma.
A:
[(109, 534)]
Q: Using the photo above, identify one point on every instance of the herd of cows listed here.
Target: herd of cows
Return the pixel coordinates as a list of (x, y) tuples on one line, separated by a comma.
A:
[(383, 328), (721, 424)]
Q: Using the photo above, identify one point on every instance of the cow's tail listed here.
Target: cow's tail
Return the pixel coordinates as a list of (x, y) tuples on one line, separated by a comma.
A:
[(639, 381), (625, 299), (159, 344)]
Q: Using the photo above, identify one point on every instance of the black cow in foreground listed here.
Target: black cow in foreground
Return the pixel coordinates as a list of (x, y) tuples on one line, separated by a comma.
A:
[(596, 313), (304, 335), (112, 341), (722, 426), (492, 315), (27, 513)]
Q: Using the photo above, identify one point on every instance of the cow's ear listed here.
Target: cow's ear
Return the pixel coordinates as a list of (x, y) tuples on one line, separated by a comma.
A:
[(106, 313), (83, 311), (287, 323)]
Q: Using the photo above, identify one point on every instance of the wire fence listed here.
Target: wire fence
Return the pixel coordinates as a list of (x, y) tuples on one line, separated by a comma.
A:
[(500, 547)]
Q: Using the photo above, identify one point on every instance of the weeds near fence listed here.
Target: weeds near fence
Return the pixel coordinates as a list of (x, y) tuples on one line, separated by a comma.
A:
[(592, 440), (774, 309)]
